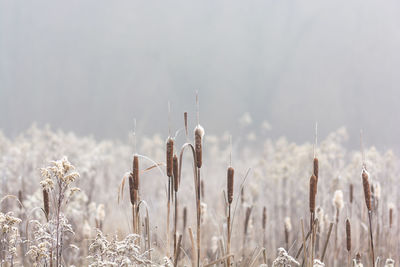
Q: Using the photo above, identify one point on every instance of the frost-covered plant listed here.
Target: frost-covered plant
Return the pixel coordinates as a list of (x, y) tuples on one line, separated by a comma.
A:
[(9, 237), (104, 252), (318, 263), (284, 259), (41, 246), (56, 181), (389, 263)]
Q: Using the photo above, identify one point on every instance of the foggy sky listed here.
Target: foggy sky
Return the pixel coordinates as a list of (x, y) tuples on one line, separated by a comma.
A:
[(91, 66)]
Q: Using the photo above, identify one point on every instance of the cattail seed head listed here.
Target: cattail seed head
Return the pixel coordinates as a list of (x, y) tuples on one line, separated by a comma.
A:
[(247, 219), (348, 235), (315, 168), (230, 181), (198, 137), (184, 217), (264, 218), (313, 192), (367, 189), (338, 199), (391, 208), (170, 153), (46, 202), (351, 193), (135, 172), (175, 173), (20, 197), (131, 189), (185, 118)]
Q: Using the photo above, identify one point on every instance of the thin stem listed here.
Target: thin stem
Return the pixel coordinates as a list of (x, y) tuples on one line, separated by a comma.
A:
[(228, 248), (372, 239)]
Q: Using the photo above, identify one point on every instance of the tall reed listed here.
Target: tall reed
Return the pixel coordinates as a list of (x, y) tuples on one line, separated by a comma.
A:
[(230, 182), (367, 197)]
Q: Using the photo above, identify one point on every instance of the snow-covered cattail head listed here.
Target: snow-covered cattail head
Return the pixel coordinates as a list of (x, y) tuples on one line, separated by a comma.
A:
[(318, 263), (198, 139), (288, 224), (338, 199), (389, 263)]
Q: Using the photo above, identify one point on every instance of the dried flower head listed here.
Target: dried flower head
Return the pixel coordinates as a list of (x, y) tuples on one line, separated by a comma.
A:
[(338, 199)]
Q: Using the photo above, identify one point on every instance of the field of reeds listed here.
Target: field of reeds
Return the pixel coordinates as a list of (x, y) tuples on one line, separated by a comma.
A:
[(189, 198)]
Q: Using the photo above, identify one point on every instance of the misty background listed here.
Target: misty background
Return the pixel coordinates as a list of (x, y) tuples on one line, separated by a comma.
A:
[(93, 66)]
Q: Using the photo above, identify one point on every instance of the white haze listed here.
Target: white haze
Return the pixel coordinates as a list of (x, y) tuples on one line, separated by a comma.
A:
[(91, 66)]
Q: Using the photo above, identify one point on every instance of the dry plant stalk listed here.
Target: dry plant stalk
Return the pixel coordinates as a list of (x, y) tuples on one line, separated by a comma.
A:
[(246, 224), (327, 241), (230, 183), (367, 196), (134, 192), (176, 187), (348, 241)]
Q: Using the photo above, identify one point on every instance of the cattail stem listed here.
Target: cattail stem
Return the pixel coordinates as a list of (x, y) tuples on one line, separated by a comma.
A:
[(327, 241), (372, 239), (228, 246)]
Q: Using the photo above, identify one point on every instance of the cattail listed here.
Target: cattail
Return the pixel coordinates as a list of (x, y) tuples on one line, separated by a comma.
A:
[(170, 153), (131, 189), (247, 219), (231, 172), (391, 207), (351, 193), (20, 196), (264, 218), (313, 192), (198, 137), (367, 189), (315, 167), (338, 199), (288, 228), (184, 217), (175, 172), (46, 203), (185, 118), (348, 235), (135, 172)]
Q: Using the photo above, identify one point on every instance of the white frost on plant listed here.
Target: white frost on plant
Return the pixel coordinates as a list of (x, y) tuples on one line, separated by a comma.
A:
[(284, 259)]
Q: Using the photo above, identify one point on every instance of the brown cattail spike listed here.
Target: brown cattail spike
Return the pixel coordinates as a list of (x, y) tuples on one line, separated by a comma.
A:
[(175, 172), (390, 217), (135, 172), (170, 153), (315, 168), (46, 203), (184, 217), (247, 219), (264, 218), (198, 136), (185, 118), (351, 193), (367, 189), (348, 235), (131, 189), (313, 192), (230, 181)]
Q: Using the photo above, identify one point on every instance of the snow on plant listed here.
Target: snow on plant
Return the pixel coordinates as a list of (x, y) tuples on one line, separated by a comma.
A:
[(9, 237), (47, 243), (104, 252)]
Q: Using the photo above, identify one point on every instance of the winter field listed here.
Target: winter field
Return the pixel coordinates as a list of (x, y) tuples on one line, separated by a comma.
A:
[(194, 199)]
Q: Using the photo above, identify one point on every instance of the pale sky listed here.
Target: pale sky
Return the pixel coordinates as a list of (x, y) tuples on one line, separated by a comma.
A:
[(92, 66)]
